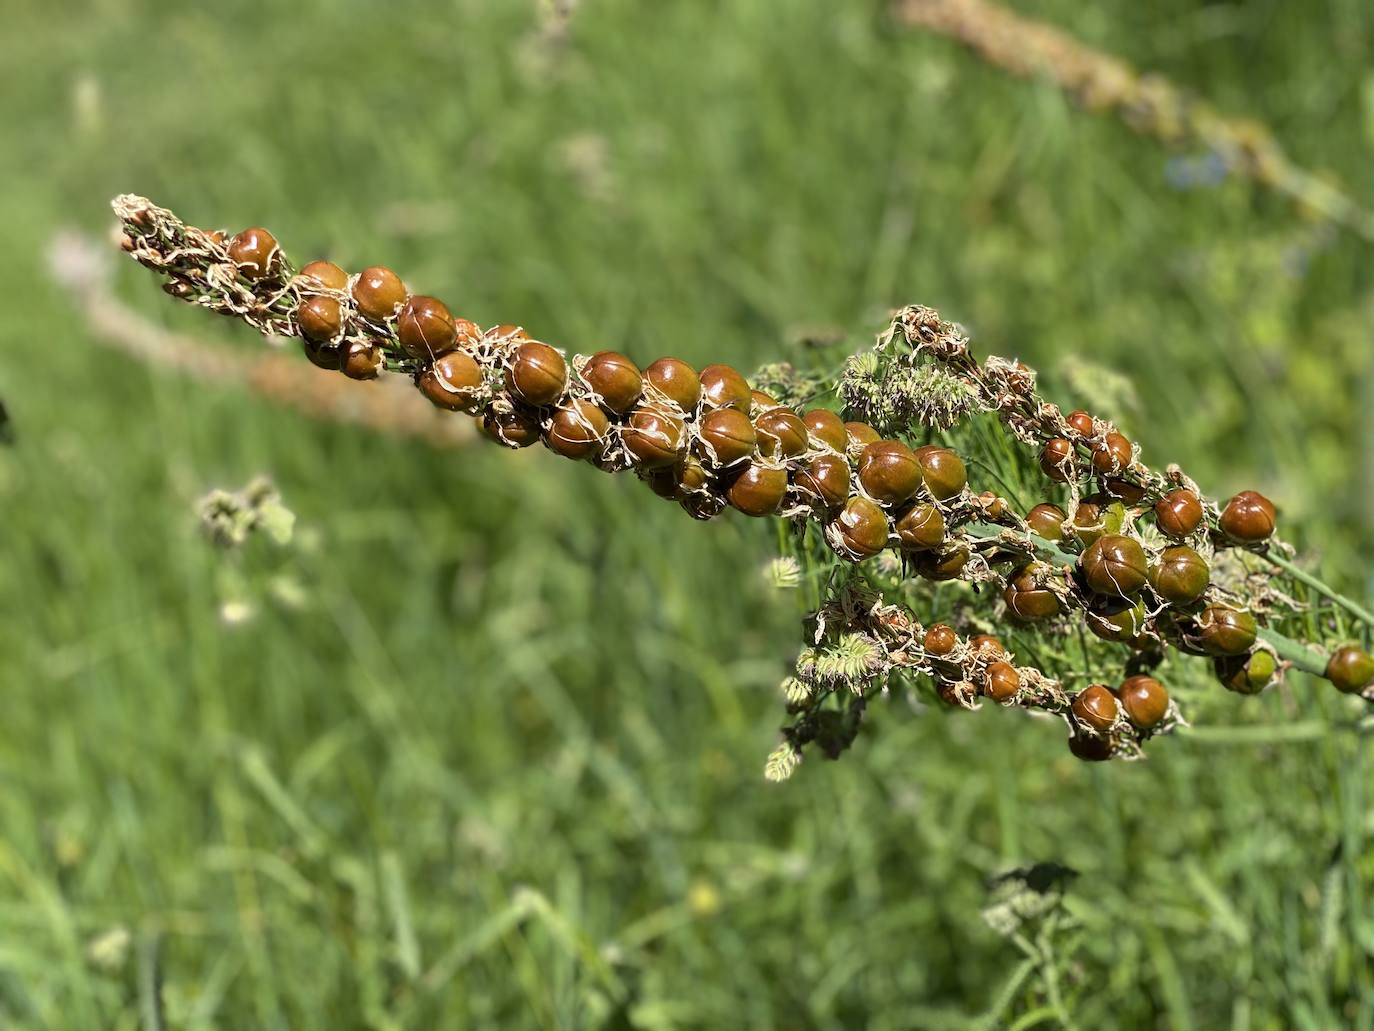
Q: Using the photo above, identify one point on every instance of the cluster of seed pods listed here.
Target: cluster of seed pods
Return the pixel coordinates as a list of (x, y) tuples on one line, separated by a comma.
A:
[(706, 440)]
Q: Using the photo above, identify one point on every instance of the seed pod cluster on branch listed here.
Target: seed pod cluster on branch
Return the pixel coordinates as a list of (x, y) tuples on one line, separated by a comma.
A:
[(1135, 556)]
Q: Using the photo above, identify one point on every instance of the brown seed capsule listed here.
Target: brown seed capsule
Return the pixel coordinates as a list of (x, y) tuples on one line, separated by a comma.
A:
[(453, 382), (654, 438), (378, 292), (425, 327), (361, 361), (781, 433), (993, 507), (256, 253), (1144, 700), (826, 429), (1096, 707), (467, 332), (1057, 460), (825, 477), (1178, 513), (1081, 423), (322, 354), (1225, 631), (577, 429), (179, 289), (1115, 565), (943, 470), (1094, 517), (1090, 748), (1046, 522), (920, 526), (861, 528), (759, 402), (325, 274), (940, 640), (513, 429), (1180, 576), (507, 332), (675, 481), (677, 381), (860, 435), (724, 387), (1112, 455), (1003, 682), (987, 643), (615, 378), (1124, 490), (889, 471), (1026, 598), (759, 489), (941, 565), (1246, 674), (1350, 669), (538, 375), (1248, 517), (1117, 619), (728, 436)]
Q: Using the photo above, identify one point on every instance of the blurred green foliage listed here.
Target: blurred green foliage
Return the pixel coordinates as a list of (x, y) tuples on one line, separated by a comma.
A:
[(498, 761)]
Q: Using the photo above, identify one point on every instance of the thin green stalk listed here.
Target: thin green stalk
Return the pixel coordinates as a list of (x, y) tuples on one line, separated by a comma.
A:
[(1353, 607)]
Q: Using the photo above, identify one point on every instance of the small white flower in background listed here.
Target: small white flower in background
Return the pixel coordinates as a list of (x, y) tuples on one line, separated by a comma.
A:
[(109, 949), (236, 613), (783, 573)]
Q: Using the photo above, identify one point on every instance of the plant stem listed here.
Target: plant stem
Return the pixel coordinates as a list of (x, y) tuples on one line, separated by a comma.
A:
[(1353, 607)]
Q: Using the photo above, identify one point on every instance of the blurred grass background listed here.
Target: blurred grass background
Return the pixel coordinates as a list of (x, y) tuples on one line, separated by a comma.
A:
[(500, 764)]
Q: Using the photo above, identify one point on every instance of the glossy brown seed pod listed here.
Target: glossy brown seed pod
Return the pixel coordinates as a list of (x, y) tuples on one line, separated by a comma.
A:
[(1057, 460), (1180, 575), (322, 354), (759, 402), (325, 274), (654, 438), (1095, 517), (1248, 517), (1120, 620), (993, 507), (1220, 630), (615, 378), (1178, 513), (319, 319), (920, 526), (987, 643), (860, 435), (1090, 748), (727, 435), (1003, 683), (577, 429), (1144, 700), (378, 292), (453, 382), (1026, 598), (940, 640), (781, 433), (861, 528), (826, 478), (675, 380), (1123, 490), (513, 429), (1115, 565), (1112, 455), (361, 361), (424, 327), (940, 565), (508, 333), (1350, 669), (701, 505), (1080, 423), (674, 481), (1246, 674), (759, 489), (943, 471), (1096, 707), (467, 332), (826, 429), (889, 472), (256, 253), (537, 375), (724, 387), (1046, 521)]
